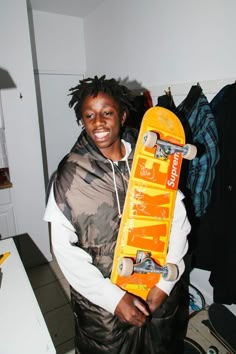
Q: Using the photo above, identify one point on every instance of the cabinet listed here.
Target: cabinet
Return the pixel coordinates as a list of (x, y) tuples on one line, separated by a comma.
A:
[(7, 219)]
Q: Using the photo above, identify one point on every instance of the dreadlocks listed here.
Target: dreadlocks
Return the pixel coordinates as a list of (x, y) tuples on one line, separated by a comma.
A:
[(92, 86)]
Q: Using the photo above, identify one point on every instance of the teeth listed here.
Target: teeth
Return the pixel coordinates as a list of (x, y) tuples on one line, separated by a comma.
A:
[(101, 135)]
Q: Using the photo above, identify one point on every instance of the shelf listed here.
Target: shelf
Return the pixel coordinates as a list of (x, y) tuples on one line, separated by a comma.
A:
[(6, 185)]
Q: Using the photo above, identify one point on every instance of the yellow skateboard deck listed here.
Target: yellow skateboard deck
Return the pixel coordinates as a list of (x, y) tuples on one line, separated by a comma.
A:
[(150, 200)]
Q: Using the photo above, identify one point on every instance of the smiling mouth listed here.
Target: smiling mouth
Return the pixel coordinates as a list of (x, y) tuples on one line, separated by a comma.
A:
[(101, 135)]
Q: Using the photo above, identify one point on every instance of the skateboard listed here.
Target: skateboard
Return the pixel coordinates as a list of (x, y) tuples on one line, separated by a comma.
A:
[(142, 243), (222, 325), (192, 347)]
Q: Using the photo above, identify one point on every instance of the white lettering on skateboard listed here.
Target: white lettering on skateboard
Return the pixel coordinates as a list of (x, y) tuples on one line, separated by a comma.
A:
[(174, 175)]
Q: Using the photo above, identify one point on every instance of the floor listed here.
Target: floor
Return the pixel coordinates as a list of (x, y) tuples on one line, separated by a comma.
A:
[(52, 292)]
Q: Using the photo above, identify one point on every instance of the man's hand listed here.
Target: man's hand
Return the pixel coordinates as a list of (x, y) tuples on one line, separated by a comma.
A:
[(155, 298), (132, 310)]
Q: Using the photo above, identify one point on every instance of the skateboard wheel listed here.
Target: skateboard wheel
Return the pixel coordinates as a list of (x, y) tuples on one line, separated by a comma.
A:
[(170, 272), (125, 267), (212, 350), (149, 139), (190, 152)]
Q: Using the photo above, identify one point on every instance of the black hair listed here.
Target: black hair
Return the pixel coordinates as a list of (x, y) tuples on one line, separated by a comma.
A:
[(92, 86)]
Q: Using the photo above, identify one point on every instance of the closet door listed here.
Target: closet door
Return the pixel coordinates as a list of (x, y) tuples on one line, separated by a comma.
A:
[(59, 129)]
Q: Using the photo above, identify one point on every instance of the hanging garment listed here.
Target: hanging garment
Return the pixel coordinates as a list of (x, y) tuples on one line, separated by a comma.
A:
[(216, 243), (223, 276), (198, 175), (166, 101), (141, 104)]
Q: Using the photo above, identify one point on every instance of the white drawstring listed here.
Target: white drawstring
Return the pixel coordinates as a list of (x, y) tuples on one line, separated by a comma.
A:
[(115, 184), (128, 150), (116, 190), (128, 168)]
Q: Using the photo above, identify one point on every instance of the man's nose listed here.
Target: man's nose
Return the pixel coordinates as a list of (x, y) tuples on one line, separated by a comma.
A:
[(99, 120)]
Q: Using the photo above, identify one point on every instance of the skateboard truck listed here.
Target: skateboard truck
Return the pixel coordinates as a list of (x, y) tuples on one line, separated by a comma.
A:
[(145, 265), (165, 148)]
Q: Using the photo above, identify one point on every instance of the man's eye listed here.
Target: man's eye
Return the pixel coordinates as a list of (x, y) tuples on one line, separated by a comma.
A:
[(106, 113), (89, 115)]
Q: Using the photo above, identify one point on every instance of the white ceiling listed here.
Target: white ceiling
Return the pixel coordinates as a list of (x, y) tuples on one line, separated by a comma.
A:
[(78, 8)]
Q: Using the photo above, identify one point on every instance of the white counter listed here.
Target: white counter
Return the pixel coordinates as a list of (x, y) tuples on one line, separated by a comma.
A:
[(22, 326)]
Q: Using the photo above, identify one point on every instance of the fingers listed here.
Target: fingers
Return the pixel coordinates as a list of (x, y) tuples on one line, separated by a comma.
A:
[(141, 306), (155, 298), (131, 310)]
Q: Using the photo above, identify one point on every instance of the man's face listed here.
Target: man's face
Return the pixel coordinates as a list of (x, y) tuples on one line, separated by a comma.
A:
[(102, 121)]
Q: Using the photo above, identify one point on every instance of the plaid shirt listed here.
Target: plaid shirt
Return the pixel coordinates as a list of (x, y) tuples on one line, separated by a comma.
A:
[(200, 128)]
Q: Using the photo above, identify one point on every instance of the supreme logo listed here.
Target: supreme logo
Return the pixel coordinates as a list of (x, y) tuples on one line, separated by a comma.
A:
[(174, 171)]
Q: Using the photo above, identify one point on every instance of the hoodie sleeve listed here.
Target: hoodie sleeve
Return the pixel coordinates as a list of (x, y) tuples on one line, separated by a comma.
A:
[(76, 264), (178, 244)]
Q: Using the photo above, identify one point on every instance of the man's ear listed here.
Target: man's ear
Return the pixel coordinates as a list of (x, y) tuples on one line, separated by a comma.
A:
[(123, 119)]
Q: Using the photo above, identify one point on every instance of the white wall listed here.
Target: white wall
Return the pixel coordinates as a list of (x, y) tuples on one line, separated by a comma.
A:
[(59, 43), (20, 116), (161, 43)]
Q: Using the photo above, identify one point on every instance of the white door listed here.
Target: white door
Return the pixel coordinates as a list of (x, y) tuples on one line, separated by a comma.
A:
[(59, 122)]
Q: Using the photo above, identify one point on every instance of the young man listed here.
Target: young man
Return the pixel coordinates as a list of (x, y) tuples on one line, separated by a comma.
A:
[(84, 209)]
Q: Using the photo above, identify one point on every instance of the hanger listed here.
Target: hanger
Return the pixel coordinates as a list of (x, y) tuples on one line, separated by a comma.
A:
[(168, 92), (166, 100)]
